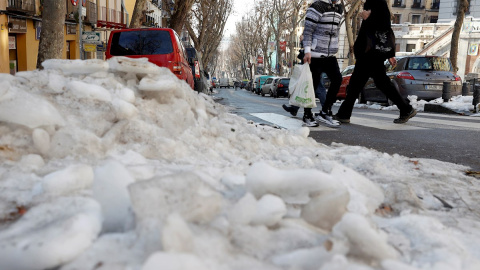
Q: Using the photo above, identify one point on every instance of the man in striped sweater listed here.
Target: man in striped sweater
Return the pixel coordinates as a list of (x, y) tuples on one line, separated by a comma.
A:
[(322, 26)]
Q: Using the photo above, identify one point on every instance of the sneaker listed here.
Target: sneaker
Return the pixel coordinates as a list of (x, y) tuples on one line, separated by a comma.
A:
[(341, 120), (404, 118), (292, 110), (309, 121), (326, 119)]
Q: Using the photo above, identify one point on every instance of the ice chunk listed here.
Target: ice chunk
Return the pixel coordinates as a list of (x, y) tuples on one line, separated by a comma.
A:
[(365, 196), (174, 261), (89, 91), (124, 110), (270, 210), (68, 180), (176, 235), (110, 190), (32, 162), (72, 67), (163, 82), (365, 241), (50, 234), (243, 211), (28, 110), (111, 251), (184, 193), (306, 259), (132, 65), (293, 186), (41, 140), (327, 208)]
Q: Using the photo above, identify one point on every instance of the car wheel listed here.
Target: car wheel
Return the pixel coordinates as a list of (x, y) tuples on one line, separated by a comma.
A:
[(361, 98), (271, 93), (263, 94)]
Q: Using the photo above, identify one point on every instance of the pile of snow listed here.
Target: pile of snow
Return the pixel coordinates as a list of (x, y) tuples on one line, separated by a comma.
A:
[(459, 104), (120, 165)]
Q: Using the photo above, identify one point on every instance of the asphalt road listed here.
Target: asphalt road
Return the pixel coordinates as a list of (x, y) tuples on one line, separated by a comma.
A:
[(445, 137)]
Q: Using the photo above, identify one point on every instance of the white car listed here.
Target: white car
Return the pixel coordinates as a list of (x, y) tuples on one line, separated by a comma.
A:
[(267, 87)]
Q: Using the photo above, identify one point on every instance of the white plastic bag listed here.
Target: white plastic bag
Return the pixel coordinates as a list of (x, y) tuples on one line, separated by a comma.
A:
[(300, 88)]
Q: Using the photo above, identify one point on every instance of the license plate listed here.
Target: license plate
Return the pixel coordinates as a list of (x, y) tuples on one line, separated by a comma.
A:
[(433, 87)]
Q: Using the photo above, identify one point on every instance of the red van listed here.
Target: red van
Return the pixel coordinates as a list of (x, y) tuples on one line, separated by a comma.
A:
[(161, 46)]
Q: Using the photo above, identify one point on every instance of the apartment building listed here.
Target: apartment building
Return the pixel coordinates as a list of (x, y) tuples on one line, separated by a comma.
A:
[(415, 11), (21, 25)]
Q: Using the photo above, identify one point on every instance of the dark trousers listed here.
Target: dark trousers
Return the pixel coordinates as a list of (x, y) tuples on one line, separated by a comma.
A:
[(364, 69), (329, 65)]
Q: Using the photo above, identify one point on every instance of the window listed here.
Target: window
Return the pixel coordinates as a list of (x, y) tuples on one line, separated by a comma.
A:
[(415, 18), (397, 18), (410, 47), (429, 63), (141, 43)]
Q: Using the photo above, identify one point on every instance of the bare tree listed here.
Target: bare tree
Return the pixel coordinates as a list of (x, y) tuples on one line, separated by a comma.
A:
[(277, 15), (138, 14), (295, 19), (352, 8), (181, 11), (178, 10), (52, 35), (207, 25), (462, 7)]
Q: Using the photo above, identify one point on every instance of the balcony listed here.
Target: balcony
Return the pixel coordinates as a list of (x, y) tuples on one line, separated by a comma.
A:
[(22, 6), (417, 5), (436, 5), (91, 13), (115, 19)]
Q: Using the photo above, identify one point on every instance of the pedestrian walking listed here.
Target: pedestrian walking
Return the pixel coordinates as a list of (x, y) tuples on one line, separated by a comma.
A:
[(320, 91), (320, 40), (375, 43)]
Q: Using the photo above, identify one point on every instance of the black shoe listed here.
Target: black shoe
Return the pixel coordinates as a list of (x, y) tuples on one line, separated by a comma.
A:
[(309, 121), (404, 118), (292, 110), (341, 120)]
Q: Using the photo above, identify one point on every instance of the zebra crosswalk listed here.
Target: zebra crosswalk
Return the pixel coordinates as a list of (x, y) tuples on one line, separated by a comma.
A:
[(382, 121)]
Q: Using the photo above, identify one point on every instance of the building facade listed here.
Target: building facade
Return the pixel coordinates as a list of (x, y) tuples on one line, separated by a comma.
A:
[(21, 25)]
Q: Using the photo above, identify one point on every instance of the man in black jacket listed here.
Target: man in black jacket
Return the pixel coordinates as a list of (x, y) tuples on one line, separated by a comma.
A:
[(370, 58)]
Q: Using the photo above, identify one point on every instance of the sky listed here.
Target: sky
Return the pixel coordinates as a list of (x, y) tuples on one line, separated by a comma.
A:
[(119, 165), (240, 8)]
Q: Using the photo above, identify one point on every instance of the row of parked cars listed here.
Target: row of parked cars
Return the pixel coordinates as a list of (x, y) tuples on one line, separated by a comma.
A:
[(422, 76)]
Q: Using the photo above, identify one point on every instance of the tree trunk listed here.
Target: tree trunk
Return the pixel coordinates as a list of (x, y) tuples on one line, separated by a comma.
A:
[(53, 30), (457, 28), (138, 13), (181, 11), (349, 16)]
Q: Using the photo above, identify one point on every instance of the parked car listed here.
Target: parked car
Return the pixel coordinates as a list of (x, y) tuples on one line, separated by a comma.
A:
[(346, 74), (259, 81), (422, 76), (200, 77), (249, 86), (267, 86), (160, 46), (226, 82), (280, 89)]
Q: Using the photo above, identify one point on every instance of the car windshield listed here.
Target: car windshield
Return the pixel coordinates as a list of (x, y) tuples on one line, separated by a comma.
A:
[(141, 43), (285, 82), (429, 63)]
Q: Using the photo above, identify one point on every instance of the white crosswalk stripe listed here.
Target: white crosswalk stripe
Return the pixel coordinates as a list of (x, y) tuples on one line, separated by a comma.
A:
[(377, 120)]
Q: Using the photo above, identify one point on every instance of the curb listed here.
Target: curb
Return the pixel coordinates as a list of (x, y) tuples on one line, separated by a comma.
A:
[(438, 108)]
